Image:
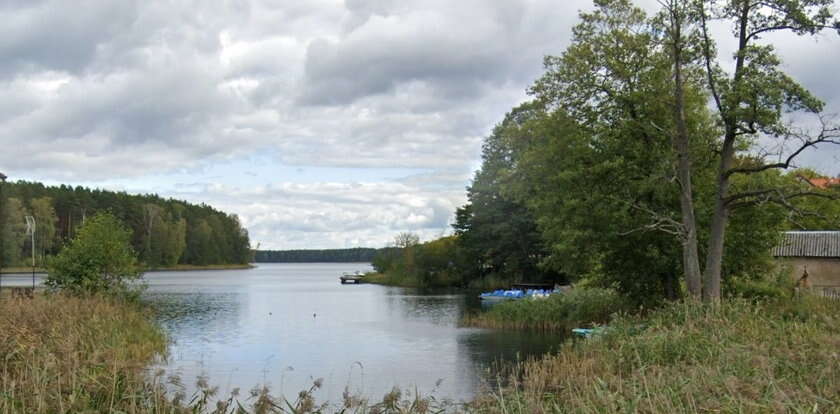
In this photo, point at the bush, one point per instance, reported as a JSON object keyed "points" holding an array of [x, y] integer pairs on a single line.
{"points": [[774, 286], [99, 259]]}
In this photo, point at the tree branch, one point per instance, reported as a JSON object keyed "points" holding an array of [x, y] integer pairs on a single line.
{"points": [[775, 195], [660, 222], [707, 55], [827, 135]]}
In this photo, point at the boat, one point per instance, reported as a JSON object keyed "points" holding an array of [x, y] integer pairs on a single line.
{"points": [[589, 333], [502, 295], [351, 277]]}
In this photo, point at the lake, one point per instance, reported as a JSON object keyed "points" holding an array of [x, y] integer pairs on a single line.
{"points": [[285, 325]]}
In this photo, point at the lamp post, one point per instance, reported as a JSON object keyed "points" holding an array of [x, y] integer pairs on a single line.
{"points": [[2, 228], [30, 228]]}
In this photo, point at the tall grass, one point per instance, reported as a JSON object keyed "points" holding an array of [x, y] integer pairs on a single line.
{"points": [[70, 354], [392, 279], [742, 356], [559, 312]]}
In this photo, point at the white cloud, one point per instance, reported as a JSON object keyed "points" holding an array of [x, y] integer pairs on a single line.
{"points": [[331, 214], [141, 90]]}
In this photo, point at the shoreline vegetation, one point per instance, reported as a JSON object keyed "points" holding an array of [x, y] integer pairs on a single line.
{"points": [[561, 312], [187, 267], [239, 266], [76, 354], [772, 355], [92, 353]]}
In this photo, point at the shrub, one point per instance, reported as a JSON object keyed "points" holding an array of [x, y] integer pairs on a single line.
{"points": [[99, 259], [774, 286]]}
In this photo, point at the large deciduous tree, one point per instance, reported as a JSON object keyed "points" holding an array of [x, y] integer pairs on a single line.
{"points": [[751, 102], [620, 169], [497, 234]]}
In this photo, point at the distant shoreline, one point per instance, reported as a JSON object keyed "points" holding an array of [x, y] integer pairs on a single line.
{"points": [[177, 268], [197, 268], [315, 261]]}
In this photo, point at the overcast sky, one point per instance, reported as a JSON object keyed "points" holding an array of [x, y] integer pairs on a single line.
{"points": [[321, 123]]}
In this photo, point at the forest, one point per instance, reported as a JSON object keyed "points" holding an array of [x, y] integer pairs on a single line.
{"points": [[165, 232], [644, 162], [358, 254]]}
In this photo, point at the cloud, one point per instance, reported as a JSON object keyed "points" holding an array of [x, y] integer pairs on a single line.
{"points": [[454, 48], [333, 215], [144, 92]]}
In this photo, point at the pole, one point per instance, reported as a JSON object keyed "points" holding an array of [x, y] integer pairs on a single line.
{"points": [[30, 228], [2, 230], [33, 256]]}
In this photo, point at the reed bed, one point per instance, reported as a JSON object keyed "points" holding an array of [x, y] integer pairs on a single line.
{"points": [[72, 354], [560, 312], [741, 356]]}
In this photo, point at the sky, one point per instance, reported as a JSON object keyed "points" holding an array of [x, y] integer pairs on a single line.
{"points": [[320, 123]]}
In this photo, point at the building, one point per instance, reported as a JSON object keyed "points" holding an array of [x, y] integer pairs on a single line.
{"points": [[822, 182], [818, 253]]}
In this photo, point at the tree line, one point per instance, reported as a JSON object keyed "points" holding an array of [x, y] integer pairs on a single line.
{"points": [[646, 162], [357, 254], [164, 232]]}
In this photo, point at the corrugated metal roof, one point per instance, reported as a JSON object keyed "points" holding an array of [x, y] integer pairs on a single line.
{"points": [[809, 244]]}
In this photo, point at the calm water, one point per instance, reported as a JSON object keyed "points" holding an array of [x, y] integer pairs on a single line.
{"points": [[285, 325]]}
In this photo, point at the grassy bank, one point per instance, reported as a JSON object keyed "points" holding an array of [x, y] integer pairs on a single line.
{"points": [[65, 354], [742, 356], [560, 312], [391, 279]]}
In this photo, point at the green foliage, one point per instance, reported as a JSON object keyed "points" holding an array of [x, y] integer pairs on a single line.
{"points": [[578, 307], [581, 181], [596, 167], [386, 259], [775, 285], [435, 262], [99, 259], [45, 222], [161, 228], [498, 236], [13, 231], [431, 264]]}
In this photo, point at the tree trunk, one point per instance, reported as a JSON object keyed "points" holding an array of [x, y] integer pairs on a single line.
{"points": [[717, 231], [720, 216], [691, 257]]}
